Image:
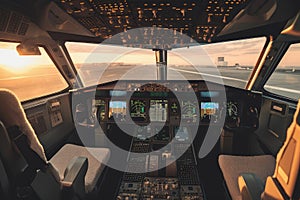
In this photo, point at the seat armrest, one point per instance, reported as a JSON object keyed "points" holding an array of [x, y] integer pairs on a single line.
{"points": [[73, 182], [251, 186]]}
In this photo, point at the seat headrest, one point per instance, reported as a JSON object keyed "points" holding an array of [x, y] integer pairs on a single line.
{"points": [[12, 113], [288, 160]]}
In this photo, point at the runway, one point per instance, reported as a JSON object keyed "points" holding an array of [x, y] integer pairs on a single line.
{"points": [[31, 85]]}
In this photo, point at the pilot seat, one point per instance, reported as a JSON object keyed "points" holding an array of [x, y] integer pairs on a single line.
{"points": [[73, 172], [263, 177]]}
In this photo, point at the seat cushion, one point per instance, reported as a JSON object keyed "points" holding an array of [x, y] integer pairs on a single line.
{"points": [[232, 166], [96, 159]]}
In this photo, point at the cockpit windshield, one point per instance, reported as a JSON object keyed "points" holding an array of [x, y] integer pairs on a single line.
{"points": [[230, 61]]}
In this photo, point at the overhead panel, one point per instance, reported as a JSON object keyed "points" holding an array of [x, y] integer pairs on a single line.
{"points": [[200, 20], [13, 22]]}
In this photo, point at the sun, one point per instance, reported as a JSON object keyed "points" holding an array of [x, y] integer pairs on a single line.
{"points": [[11, 61]]}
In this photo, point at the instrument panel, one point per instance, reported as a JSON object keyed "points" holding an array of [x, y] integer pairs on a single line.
{"points": [[201, 103]]}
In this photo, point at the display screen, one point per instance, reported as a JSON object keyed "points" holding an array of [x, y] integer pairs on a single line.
{"points": [[174, 108], [158, 110], [209, 110], [117, 110], [181, 134], [162, 135], [209, 94], [189, 111], [138, 110], [232, 110], [143, 132], [117, 93], [101, 111]]}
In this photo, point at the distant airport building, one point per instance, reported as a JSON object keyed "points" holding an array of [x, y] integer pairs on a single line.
{"points": [[221, 62], [237, 66]]}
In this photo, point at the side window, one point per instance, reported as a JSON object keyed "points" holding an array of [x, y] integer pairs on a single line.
{"points": [[28, 76], [286, 78]]}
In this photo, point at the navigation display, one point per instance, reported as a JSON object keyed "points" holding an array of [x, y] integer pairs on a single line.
{"points": [[158, 110], [209, 111], [189, 111], [101, 111], [117, 110], [138, 110]]}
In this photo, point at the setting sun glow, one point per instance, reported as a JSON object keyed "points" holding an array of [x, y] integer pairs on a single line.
{"points": [[11, 61]]}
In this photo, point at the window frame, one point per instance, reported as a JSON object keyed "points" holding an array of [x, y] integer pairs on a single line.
{"points": [[275, 95]]}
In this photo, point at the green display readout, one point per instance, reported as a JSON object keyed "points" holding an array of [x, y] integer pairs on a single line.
{"points": [[137, 110]]}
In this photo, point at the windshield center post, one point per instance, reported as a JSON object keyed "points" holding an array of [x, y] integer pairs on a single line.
{"points": [[161, 63]]}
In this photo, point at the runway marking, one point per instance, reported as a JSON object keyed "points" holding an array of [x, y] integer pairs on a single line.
{"points": [[211, 75], [235, 79], [283, 89]]}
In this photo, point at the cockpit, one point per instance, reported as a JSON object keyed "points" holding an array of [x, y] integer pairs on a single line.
{"points": [[149, 100]]}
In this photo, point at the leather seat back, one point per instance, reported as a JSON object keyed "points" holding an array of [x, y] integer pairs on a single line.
{"points": [[287, 168], [12, 162]]}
